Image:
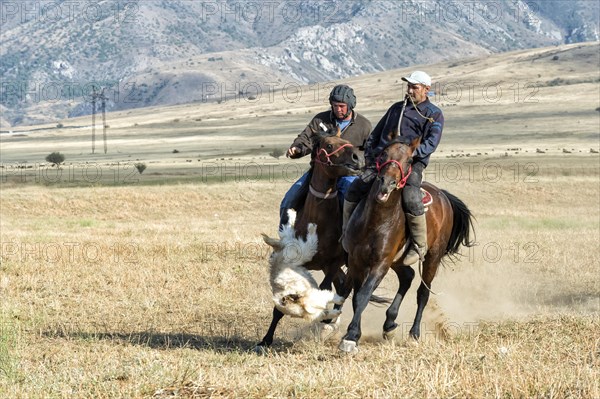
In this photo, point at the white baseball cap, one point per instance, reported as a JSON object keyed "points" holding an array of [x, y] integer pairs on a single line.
{"points": [[418, 77]]}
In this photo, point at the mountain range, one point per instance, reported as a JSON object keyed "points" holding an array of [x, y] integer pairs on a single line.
{"points": [[55, 54]]}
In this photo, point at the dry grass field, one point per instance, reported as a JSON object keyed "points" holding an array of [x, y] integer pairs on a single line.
{"points": [[120, 285]]}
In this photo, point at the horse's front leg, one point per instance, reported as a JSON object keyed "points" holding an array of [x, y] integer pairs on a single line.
{"points": [[338, 277], [360, 300], [335, 276], [328, 327], [405, 277], [268, 338], [327, 281]]}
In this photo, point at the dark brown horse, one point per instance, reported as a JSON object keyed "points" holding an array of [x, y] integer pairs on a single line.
{"points": [[335, 158], [377, 235]]}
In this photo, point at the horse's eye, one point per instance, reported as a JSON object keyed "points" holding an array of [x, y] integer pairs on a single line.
{"points": [[329, 147]]}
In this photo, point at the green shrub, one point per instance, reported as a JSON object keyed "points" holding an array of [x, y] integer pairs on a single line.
{"points": [[56, 158], [276, 153], [140, 166]]}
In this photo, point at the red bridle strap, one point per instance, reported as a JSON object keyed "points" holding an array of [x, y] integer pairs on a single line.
{"points": [[404, 178], [328, 155]]}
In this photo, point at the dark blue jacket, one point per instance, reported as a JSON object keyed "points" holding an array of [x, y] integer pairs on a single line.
{"points": [[413, 126]]}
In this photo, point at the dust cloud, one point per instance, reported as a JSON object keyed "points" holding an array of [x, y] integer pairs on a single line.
{"points": [[467, 294]]}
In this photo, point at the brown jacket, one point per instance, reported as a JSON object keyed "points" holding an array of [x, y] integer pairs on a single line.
{"points": [[356, 132]]}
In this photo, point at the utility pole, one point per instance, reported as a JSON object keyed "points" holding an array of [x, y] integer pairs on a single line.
{"points": [[94, 120], [103, 98], [95, 97]]}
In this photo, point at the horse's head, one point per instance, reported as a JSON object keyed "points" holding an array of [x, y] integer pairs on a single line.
{"points": [[338, 157], [394, 166]]}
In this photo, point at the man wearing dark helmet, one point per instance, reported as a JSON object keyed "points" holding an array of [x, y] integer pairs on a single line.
{"points": [[354, 128]]}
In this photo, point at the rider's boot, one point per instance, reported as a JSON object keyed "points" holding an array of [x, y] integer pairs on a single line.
{"points": [[349, 207], [418, 230]]}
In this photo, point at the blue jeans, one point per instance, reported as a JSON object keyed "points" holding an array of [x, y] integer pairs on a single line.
{"points": [[295, 194]]}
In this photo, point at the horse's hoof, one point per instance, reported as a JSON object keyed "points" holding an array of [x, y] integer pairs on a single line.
{"points": [[413, 341], [389, 335], [349, 347], [261, 350]]}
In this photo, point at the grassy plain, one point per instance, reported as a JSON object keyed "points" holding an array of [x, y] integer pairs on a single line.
{"points": [[155, 285]]}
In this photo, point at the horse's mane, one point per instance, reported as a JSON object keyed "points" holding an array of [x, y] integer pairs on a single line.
{"points": [[322, 135], [398, 140]]}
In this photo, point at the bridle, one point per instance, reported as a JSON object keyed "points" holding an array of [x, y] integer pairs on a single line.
{"points": [[379, 166], [328, 155], [404, 178], [327, 162]]}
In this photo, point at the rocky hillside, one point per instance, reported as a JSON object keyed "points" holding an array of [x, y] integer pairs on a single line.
{"points": [[159, 52]]}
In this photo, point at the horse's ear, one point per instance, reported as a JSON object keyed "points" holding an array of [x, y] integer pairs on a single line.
{"points": [[339, 132], [393, 134], [272, 242], [415, 143]]}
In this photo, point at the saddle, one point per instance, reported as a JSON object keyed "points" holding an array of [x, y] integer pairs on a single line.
{"points": [[427, 198]]}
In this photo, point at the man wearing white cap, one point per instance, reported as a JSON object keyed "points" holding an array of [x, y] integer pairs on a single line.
{"points": [[418, 117]]}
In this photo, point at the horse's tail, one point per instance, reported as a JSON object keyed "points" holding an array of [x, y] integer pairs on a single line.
{"points": [[380, 300], [461, 227]]}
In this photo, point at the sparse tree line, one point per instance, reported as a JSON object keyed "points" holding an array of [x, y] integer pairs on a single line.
{"points": [[56, 159]]}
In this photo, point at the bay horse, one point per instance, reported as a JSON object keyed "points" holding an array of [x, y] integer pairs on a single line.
{"points": [[376, 240], [335, 157]]}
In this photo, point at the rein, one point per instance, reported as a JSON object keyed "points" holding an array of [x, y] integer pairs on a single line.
{"points": [[421, 260], [328, 155]]}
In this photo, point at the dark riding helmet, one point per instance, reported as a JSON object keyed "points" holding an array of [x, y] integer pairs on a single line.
{"points": [[343, 94]]}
